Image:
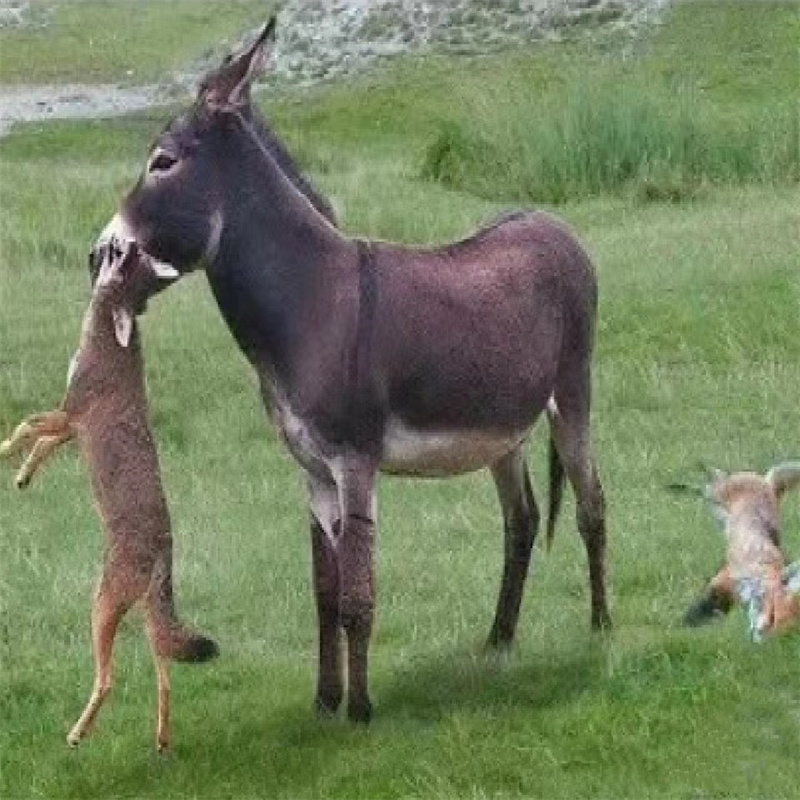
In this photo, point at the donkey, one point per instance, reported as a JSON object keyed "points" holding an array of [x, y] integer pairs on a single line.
{"points": [[105, 408], [377, 357]]}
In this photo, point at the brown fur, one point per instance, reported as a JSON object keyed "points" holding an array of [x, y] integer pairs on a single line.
{"points": [[747, 504], [105, 409]]}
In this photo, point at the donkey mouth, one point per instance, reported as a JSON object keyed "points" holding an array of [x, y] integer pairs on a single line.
{"points": [[118, 230]]}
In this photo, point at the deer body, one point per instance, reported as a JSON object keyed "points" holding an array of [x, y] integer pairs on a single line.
{"points": [[747, 506], [105, 409]]}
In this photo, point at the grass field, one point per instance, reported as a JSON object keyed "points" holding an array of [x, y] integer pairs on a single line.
{"points": [[698, 359]]}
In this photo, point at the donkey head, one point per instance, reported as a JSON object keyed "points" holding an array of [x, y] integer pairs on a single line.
{"points": [[126, 279], [174, 210]]}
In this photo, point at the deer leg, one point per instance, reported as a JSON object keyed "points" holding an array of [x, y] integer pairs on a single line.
{"points": [[44, 447], [107, 611], [717, 600], [162, 686], [50, 423], [357, 501], [521, 524], [570, 428], [782, 607]]}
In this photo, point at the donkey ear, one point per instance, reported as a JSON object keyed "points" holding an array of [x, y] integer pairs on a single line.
{"points": [[123, 324], [784, 477], [242, 70]]}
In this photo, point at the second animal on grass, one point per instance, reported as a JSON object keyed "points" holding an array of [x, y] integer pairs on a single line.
{"points": [[746, 504], [105, 408]]}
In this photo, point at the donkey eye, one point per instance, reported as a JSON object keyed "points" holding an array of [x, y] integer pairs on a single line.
{"points": [[161, 162]]}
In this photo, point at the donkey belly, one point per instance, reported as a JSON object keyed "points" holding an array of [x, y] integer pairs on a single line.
{"points": [[436, 454]]}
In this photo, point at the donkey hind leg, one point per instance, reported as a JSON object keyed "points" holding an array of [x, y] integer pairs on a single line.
{"points": [[107, 611], [356, 597], [570, 429], [521, 524]]}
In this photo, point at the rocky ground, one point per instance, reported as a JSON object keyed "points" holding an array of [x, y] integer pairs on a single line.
{"points": [[326, 39]]}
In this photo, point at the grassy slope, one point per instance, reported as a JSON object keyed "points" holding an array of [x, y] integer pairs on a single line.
{"points": [[129, 41], [697, 359]]}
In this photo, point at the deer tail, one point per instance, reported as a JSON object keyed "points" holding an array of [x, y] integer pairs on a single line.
{"points": [[170, 637]]}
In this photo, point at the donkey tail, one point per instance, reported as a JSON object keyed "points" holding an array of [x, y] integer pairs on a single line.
{"points": [[557, 480], [170, 637]]}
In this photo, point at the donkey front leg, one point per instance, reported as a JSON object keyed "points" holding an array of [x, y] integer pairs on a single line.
{"points": [[357, 600], [325, 528]]}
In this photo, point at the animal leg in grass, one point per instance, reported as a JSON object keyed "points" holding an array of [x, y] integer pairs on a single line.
{"points": [[50, 423], [521, 524], [330, 685], [356, 598], [162, 685], [570, 428], [782, 606], [41, 451], [107, 612], [717, 600]]}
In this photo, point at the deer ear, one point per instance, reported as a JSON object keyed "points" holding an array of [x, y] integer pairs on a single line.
{"points": [[123, 325], [784, 477]]}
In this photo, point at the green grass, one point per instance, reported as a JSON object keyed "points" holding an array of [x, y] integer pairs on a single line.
{"points": [[657, 125], [698, 359], [128, 41]]}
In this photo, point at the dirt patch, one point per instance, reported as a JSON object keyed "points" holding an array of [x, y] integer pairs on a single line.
{"points": [[42, 103], [324, 39]]}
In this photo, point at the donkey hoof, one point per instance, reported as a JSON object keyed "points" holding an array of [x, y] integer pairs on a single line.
{"points": [[601, 621], [360, 711], [162, 747], [22, 481], [73, 739], [327, 703], [499, 641]]}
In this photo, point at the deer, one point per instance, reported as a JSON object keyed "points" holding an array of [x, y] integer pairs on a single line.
{"points": [[747, 506], [105, 410]]}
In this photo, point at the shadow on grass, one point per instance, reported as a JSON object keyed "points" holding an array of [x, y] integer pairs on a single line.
{"points": [[428, 689], [251, 740]]}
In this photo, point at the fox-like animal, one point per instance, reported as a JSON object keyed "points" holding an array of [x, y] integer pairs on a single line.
{"points": [[105, 408], [746, 504]]}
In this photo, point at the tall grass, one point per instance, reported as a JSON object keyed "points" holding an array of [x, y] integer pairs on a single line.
{"points": [[608, 133]]}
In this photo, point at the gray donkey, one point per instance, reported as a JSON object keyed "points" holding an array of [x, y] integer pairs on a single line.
{"points": [[377, 357], [105, 408]]}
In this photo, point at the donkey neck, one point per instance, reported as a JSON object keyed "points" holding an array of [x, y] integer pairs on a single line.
{"points": [[278, 263]]}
